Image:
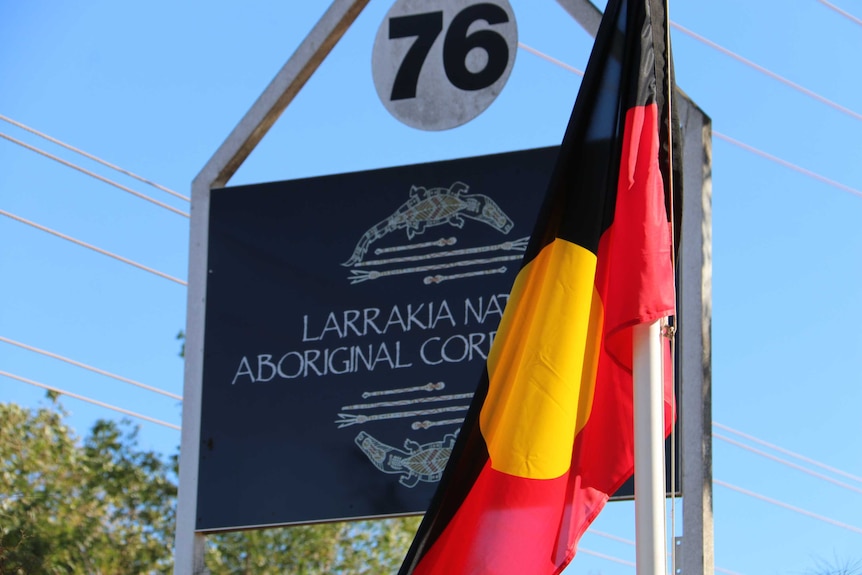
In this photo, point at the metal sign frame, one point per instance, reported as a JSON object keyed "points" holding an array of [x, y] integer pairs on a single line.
{"points": [[696, 547]]}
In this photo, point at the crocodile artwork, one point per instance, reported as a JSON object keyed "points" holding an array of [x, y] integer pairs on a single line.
{"points": [[434, 207], [416, 462]]}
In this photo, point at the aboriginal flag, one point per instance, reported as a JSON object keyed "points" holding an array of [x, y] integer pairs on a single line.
{"points": [[550, 433]]}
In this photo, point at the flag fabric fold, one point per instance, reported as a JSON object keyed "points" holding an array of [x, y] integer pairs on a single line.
{"points": [[549, 436]]}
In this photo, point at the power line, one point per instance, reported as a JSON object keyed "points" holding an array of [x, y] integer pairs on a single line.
{"points": [[606, 557], [94, 175], [91, 368], [550, 59], [92, 157], [847, 15], [788, 506], [630, 564], [631, 543], [92, 247], [787, 164], [787, 452], [90, 400], [738, 58], [771, 74], [622, 540], [787, 463], [727, 139]]}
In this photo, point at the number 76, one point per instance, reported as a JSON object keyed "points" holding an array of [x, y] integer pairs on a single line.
{"points": [[456, 46]]}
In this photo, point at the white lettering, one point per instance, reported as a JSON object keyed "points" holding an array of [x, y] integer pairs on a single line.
{"points": [[443, 312], [264, 360], [281, 373], [243, 369]]}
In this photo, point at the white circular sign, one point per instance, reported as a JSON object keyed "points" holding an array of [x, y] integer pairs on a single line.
{"points": [[437, 65]]}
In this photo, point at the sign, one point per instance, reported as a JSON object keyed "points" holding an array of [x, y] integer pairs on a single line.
{"points": [[348, 319], [439, 65]]}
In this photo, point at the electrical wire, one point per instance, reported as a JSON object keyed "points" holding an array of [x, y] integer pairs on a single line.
{"points": [[738, 58], [787, 452], [91, 368], [550, 59], [631, 543], [787, 463], [622, 540], [787, 164], [788, 506], [606, 557], [89, 400], [92, 157], [630, 564], [844, 13], [92, 247], [725, 138], [94, 175], [767, 72]]}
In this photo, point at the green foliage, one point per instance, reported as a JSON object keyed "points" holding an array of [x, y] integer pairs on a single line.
{"points": [[181, 336], [343, 548], [97, 507], [101, 506]]}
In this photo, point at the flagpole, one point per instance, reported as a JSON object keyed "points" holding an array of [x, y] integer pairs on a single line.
{"points": [[649, 450], [648, 381]]}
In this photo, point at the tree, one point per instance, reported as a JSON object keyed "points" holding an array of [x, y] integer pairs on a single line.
{"points": [[101, 506], [95, 507], [836, 567], [340, 548]]}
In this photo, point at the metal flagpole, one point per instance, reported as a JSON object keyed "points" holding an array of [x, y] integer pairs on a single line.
{"points": [[648, 372], [649, 450]]}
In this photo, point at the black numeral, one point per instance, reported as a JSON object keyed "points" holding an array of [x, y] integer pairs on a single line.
{"points": [[456, 46], [426, 27]]}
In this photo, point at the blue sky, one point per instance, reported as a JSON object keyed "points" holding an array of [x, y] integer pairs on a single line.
{"points": [[155, 88]]}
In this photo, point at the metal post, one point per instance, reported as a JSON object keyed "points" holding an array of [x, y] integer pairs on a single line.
{"points": [[585, 13], [650, 536], [694, 344], [189, 550]]}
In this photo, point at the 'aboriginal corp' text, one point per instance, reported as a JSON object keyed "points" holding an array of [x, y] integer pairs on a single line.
{"points": [[347, 353]]}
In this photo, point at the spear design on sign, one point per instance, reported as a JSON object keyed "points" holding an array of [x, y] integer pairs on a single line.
{"points": [[348, 419], [517, 245], [442, 242], [401, 402], [442, 278], [427, 387], [358, 276]]}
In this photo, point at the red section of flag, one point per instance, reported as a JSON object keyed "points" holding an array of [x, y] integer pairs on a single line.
{"points": [[635, 279], [499, 528], [607, 202]]}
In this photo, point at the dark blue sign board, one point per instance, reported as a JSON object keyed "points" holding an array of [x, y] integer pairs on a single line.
{"points": [[348, 318]]}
